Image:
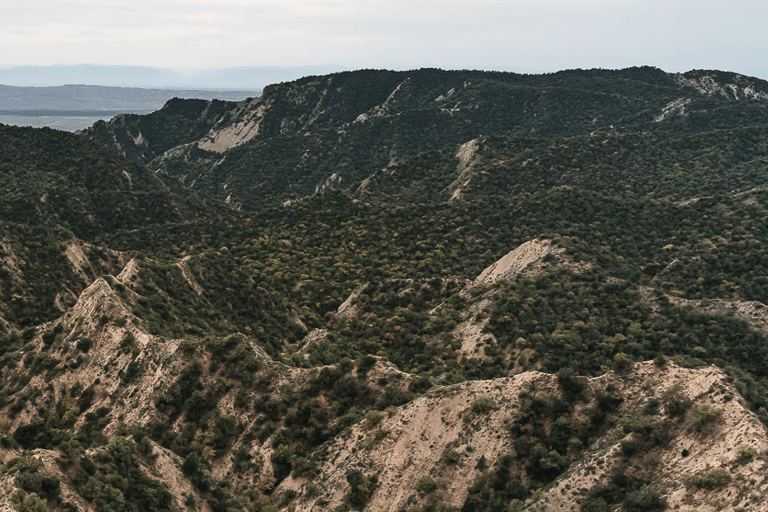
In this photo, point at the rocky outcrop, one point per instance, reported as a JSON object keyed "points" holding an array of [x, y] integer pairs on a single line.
{"points": [[527, 257], [412, 441]]}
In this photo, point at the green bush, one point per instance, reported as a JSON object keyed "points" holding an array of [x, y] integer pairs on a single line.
{"points": [[301, 467], [621, 362], [192, 464], [28, 502], [705, 415], [630, 447], [745, 454], [426, 485], [84, 345], [676, 405], [360, 488], [450, 457], [571, 383], [483, 405], [373, 418], [714, 479], [652, 407], [594, 505], [645, 500], [310, 490]]}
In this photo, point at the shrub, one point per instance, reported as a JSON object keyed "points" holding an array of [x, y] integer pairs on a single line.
{"points": [[48, 338], [652, 407], [548, 464], [301, 467], [629, 425], [310, 490], [714, 479], [676, 405], [281, 461], [426, 485], [192, 464], [420, 385], [84, 345], [360, 488], [705, 415], [630, 447], [745, 454], [483, 405], [570, 382], [288, 496], [28, 503], [645, 500], [594, 505], [450, 457], [373, 418], [621, 362], [242, 460]]}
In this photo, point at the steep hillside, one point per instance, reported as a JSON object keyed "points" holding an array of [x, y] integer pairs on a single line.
{"points": [[55, 178], [431, 291], [101, 413], [105, 387], [338, 130], [438, 450], [60, 194]]}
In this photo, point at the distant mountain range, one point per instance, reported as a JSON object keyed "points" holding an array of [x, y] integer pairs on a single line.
{"points": [[245, 77], [101, 98]]}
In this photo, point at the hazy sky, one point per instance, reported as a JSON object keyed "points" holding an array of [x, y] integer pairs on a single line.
{"points": [[529, 35]]}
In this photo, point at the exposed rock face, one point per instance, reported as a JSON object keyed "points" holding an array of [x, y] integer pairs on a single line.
{"points": [[223, 138], [677, 106], [348, 308], [523, 258], [419, 433], [442, 435], [465, 156], [709, 85]]}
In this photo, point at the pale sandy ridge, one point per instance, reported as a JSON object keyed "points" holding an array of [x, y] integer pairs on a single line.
{"points": [[420, 431]]}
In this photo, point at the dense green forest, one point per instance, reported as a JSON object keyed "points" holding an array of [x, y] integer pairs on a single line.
{"points": [[352, 125], [646, 211]]}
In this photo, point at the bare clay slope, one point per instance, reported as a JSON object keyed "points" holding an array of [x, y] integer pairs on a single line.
{"points": [[420, 434], [682, 433]]}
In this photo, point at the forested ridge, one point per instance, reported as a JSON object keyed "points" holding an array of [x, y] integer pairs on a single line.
{"points": [[236, 313]]}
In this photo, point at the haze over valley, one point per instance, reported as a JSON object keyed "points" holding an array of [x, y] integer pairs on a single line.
{"points": [[75, 107]]}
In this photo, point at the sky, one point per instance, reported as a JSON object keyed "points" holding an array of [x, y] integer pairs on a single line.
{"points": [[513, 35]]}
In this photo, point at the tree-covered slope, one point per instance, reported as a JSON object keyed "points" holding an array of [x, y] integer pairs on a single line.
{"points": [[336, 130], [55, 178], [60, 192], [442, 290]]}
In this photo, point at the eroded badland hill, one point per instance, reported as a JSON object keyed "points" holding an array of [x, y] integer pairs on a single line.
{"points": [[393, 291]]}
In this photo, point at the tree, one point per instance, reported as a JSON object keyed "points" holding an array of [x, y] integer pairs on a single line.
{"points": [[360, 488], [645, 500]]}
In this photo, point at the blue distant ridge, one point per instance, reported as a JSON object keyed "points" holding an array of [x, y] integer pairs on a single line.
{"points": [[69, 113]]}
